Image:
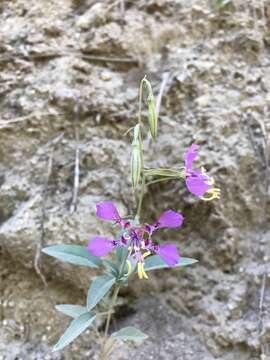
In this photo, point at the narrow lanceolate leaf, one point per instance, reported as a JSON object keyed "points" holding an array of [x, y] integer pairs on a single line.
{"points": [[111, 267], [76, 327], [152, 116], [74, 254], [129, 333], [71, 310], [99, 288], [155, 262], [136, 165], [121, 253]]}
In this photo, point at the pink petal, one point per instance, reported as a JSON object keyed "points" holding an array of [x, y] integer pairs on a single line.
{"points": [[169, 253], [100, 246], [170, 219], [196, 184], [190, 155], [107, 211]]}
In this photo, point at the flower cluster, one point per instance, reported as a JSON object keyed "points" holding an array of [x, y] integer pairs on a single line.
{"points": [[138, 239]]}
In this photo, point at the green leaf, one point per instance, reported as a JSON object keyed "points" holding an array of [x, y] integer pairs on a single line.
{"points": [[76, 327], [71, 310], [99, 288], [130, 333], [111, 266], [74, 254], [121, 252], [155, 262]]}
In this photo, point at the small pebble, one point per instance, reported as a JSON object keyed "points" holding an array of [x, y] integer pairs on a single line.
{"points": [[105, 76]]}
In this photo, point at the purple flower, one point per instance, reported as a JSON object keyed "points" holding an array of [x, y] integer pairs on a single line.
{"points": [[137, 238], [197, 181]]}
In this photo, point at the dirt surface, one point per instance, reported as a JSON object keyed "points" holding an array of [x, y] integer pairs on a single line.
{"points": [[69, 76]]}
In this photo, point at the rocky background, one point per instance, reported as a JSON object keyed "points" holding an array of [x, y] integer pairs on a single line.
{"points": [[69, 75]]}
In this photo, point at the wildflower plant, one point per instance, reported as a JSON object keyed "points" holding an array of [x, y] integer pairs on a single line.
{"points": [[134, 249]]}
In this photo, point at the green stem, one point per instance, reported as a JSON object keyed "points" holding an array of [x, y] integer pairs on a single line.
{"points": [[110, 312], [160, 180], [104, 351], [114, 297]]}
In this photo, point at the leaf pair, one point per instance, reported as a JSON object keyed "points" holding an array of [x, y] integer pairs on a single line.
{"points": [[83, 318]]}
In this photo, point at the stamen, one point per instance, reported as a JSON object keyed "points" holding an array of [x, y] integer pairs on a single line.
{"points": [[136, 248], [143, 245], [146, 254], [129, 268], [141, 273], [213, 193]]}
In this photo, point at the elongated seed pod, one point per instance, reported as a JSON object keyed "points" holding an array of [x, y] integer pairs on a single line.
{"points": [[136, 164], [152, 112], [136, 133], [152, 116], [136, 157]]}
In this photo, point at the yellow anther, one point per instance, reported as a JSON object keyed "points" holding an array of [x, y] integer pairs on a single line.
{"points": [[147, 253], [129, 268], [213, 193], [141, 273], [143, 245]]}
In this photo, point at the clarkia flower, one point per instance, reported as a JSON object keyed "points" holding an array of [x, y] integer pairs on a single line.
{"points": [[137, 238], [198, 182]]}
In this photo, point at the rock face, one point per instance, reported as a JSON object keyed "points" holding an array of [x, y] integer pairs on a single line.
{"points": [[69, 76]]}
